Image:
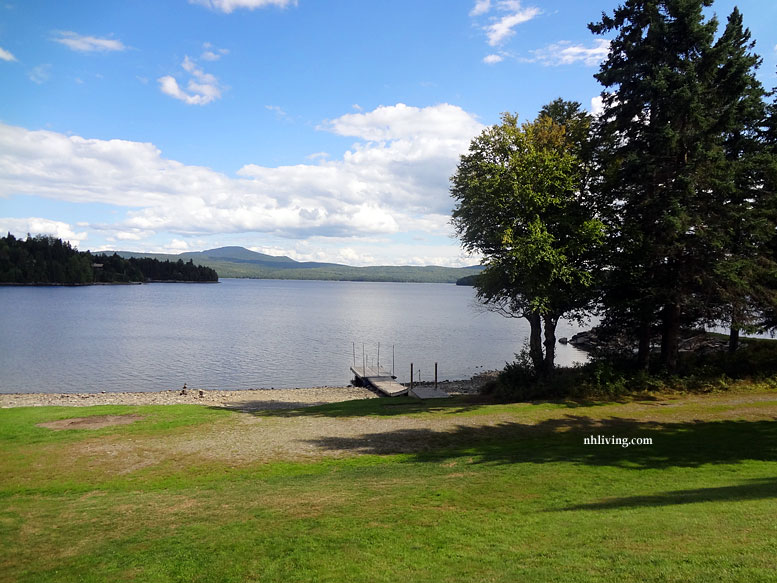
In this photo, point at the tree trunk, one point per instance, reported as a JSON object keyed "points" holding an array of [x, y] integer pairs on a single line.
{"points": [[550, 344], [643, 352], [535, 340], [670, 336], [733, 338]]}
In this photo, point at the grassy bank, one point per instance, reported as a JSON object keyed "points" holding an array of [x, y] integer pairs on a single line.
{"points": [[395, 490]]}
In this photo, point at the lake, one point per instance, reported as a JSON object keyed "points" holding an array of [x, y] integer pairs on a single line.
{"points": [[244, 334]]}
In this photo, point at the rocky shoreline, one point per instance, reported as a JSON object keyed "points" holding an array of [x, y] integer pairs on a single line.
{"points": [[250, 398]]}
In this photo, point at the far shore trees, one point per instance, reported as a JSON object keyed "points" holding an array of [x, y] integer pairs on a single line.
{"points": [[520, 204], [46, 260]]}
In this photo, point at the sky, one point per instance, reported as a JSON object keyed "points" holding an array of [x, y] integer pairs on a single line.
{"points": [[323, 130]]}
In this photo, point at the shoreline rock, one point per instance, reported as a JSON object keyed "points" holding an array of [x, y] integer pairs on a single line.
{"points": [[699, 341]]}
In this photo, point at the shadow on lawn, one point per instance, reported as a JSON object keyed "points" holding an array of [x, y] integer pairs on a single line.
{"points": [[383, 407], [562, 439], [756, 489]]}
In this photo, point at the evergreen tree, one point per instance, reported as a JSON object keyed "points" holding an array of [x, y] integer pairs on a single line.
{"points": [[679, 105]]}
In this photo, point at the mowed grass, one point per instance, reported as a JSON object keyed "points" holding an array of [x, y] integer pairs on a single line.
{"points": [[498, 493]]}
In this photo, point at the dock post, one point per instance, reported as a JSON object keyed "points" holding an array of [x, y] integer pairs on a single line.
{"points": [[435, 376], [354, 355], [364, 363], [378, 358], [411, 377], [392, 360]]}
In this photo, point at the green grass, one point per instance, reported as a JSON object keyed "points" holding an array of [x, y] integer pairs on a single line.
{"points": [[502, 493]]}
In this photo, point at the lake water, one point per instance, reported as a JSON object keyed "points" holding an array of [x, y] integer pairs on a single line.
{"points": [[243, 334]]}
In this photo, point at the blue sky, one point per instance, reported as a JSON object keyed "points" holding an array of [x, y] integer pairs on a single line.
{"points": [[322, 130]]}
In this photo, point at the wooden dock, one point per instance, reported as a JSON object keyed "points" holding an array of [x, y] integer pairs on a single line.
{"points": [[428, 392], [379, 379]]}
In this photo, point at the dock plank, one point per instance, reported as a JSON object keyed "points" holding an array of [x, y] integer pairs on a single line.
{"points": [[425, 392], [380, 380]]}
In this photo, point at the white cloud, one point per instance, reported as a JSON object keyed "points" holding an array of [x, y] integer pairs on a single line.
{"points": [[393, 179], [202, 88], [40, 74], [402, 121], [6, 55], [211, 53], [502, 28], [493, 59], [227, 6], [597, 105], [566, 53], [88, 44], [39, 226], [481, 7]]}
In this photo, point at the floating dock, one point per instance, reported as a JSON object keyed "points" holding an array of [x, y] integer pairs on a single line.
{"points": [[427, 392], [379, 379]]}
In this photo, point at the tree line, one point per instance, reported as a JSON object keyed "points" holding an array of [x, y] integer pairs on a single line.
{"points": [[44, 260], [658, 214]]}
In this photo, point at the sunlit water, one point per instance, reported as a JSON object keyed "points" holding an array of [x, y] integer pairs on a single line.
{"points": [[242, 334]]}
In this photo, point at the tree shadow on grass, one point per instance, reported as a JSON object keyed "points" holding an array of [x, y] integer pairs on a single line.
{"points": [[387, 407], [755, 489], [562, 439]]}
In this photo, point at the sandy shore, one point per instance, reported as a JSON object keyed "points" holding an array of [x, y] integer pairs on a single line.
{"points": [[244, 399]]}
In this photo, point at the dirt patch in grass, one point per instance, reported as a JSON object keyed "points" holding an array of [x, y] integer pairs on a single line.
{"points": [[95, 422]]}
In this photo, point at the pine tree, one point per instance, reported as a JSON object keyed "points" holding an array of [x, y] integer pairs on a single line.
{"points": [[678, 108]]}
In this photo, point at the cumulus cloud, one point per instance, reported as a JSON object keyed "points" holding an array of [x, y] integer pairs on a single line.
{"points": [[402, 121], [6, 55], [202, 88], [393, 178], [39, 226], [227, 6], [481, 7], [88, 44], [566, 53], [493, 59]]}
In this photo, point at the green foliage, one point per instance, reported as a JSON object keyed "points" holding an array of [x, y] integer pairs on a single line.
{"points": [[42, 259], [682, 172], [521, 203], [611, 376]]}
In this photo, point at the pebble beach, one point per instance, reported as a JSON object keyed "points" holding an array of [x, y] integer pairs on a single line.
{"points": [[242, 399]]}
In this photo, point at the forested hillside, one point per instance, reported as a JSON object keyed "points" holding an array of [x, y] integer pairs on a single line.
{"points": [[46, 260], [241, 262]]}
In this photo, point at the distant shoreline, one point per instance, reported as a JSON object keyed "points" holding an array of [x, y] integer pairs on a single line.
{"points": [[12, 284]]}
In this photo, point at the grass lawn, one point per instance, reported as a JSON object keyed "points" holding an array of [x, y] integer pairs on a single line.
{"points": [[395, 490]]}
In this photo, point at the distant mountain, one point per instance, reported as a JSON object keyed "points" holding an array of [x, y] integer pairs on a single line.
{"points": [[241, 262]]}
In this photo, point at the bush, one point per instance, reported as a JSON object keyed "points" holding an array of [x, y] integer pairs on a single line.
{"points": [[611, 377]]}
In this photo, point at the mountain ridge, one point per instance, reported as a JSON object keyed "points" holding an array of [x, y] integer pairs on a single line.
{"points": [[235, 261]]}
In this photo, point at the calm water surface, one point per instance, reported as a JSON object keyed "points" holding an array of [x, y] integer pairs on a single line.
{"points": [[242, 334]]}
